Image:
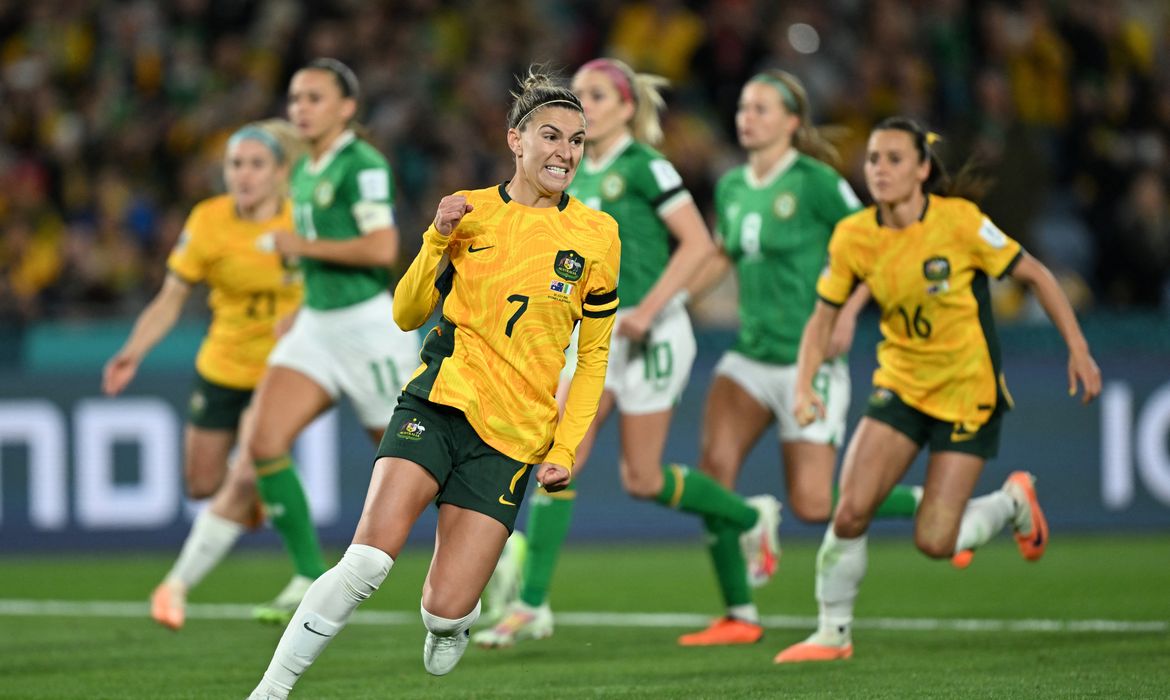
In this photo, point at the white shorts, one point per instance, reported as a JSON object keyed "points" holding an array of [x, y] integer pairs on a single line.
{"points": [[774, 386], [647, 377], [357, 350]]}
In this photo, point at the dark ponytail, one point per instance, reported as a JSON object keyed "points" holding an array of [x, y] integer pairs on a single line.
{"points": [[966, 183]]}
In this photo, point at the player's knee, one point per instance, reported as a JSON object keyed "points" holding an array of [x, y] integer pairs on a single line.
{"points": [[447, 623], [934, 545], [642, 484], [811, 508], [202, 482], [849, 521], [363, 568], [719, 463]]}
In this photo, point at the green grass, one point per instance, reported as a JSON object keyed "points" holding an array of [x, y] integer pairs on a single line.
{"points": [[1081, 578]]}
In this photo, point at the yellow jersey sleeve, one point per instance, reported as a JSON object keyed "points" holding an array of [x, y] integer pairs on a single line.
{"points": [[600, 305], [190, 258], [839, 276], [418, 291], [992, 250]]}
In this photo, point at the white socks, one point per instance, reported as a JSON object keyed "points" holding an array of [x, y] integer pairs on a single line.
{"points": [[841, 564], [323, 613], [209, 541], [747, 612], [984, 518], [446, 627]]}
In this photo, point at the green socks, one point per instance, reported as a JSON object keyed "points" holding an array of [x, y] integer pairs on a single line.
{"points": [[549, 517], [730, 567], [692, 491], [901, 503], [287, 508]]}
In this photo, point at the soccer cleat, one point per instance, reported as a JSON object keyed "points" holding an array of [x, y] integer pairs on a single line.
{"points": [[724, 631], [963, 558], [168, 604], [280, 609], [440, 654], [1029, 522], [808, 651], [504, 585], [761, 544], [521, 622], [267, 691]]}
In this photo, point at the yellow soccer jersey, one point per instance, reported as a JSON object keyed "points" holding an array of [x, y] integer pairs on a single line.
{"points": [[516, 280], [940, 352], [250, 290]]}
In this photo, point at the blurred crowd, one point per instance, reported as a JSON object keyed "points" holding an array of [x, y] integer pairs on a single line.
{"points": [[114, 115]]}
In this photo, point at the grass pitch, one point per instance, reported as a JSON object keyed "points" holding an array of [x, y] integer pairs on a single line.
{"points": [[1092, 620]]}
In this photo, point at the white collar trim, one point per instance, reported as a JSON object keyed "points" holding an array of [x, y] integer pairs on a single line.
{"points": [[342, 140], [777, 170]]}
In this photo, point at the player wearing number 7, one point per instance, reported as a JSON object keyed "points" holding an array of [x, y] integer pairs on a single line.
{"points": [[513, 268], [926, 259]]}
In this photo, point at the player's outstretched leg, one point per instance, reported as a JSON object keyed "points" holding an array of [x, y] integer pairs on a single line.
{"points": [[841, 564], [323, 613], [1014, 503], [209, 541]]}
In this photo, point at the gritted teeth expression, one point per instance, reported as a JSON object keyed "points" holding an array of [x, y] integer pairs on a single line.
{"points": [[893, 170], [316, 105], [550, 147]]}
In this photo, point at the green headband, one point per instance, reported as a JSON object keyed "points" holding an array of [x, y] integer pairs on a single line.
{"points": [[786, 95], [255, 133]]}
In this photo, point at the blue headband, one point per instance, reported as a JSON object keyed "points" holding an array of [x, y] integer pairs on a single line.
{"points": [[786, 95], [255, 133]]}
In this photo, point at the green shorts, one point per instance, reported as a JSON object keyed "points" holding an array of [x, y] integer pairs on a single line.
{"points": [[471, 473], [216, 407], [886, 406]]}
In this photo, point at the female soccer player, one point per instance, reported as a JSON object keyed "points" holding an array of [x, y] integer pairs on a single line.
{"points": [[251, 292], [342, 341], [517, 266], [926, 259], [653, 345], [775, 216]]}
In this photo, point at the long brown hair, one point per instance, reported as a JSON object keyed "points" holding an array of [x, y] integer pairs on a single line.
{"points": [[809, 139]]}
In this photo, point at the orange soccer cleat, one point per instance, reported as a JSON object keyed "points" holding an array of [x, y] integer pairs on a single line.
{"points": [[168, 605], [963, 558], [1030, 525], [724, 631], [807, 651]]}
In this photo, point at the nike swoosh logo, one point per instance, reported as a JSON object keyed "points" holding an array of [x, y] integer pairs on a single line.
{"points": [[1039, 539], [472, 249], [314, 631], [506, 502]]}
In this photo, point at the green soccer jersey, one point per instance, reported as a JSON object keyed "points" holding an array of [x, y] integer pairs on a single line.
{"points": [[636, 186], [346, 193], [777, 233]]}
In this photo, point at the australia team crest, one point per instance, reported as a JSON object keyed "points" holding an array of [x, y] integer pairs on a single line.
{"points": [[569, 265]]}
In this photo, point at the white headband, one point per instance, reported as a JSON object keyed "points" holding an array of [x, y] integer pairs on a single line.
{"points": [[545, 104]]}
